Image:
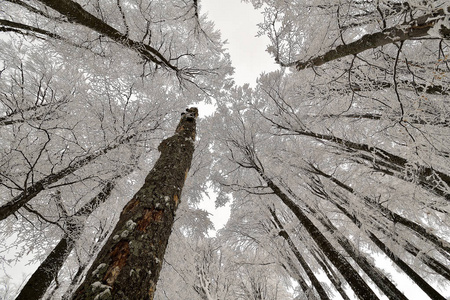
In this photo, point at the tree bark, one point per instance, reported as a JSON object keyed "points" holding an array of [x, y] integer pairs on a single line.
{"points": [[129, 264], [41, 279]]}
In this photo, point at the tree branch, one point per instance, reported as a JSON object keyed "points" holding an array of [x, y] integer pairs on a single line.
{"points": [[415, 29]]}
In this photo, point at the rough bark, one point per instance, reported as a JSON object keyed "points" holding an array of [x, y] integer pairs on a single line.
{"points": [[47, 271], [129, 264], [416, 28], [32, 191]]}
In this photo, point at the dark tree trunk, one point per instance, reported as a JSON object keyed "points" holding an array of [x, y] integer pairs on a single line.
{"points": [[359, 286], [417, 28], [332, 276], [428, 289], [75, 13], [312, 277], [41, 279], [440, 244], [295, 274], [383, 283], [129, 264]]}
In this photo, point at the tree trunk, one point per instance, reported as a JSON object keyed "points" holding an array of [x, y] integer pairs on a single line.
{"points": [[359, 286], [295, 274], [129, 264], [434, 181], [439, 243], [416, 278], [312, 277], [76, 14], [41, 279], [332, 276], [383, 283]]}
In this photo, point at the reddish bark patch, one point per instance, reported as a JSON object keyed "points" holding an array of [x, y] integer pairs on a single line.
{"points": [[119, 257], [130, 205], [179, 129], [150, 216]]}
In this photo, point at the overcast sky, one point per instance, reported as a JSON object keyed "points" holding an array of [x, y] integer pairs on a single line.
{"points": [[237, 23]]}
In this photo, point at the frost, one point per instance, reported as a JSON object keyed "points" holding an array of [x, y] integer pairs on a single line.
{"points": [[435, 30], [106, 294], [99, 268], [130, 224], [96, 286], [116, 237], [124, 234]]}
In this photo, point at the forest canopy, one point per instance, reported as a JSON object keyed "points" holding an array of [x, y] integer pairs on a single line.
{"points": [[336, 167]]}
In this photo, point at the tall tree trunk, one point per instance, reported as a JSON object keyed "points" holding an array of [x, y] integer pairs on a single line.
{"points": [[359, 286], [41, 279], [75, 13], [438, 242], [129, 264], [429, 290], [295, 274], [332, 276], [312, 277], [32, 191], [416, 278], [383, 283]]}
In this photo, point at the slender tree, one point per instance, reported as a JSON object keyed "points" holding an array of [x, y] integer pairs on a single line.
{"points": [[48, 270], [312, 277]]}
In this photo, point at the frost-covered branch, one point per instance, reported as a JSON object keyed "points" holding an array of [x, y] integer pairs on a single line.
{"points": [[417, 28]]}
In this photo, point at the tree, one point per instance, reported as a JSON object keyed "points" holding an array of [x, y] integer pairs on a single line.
{"points": [[48, 270], [138, 242]]}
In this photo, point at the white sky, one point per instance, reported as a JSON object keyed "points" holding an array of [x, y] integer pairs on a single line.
{"points": [[237, 23]]}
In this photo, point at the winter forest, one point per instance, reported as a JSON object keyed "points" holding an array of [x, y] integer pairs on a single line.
{"points": [[335, 167]]}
